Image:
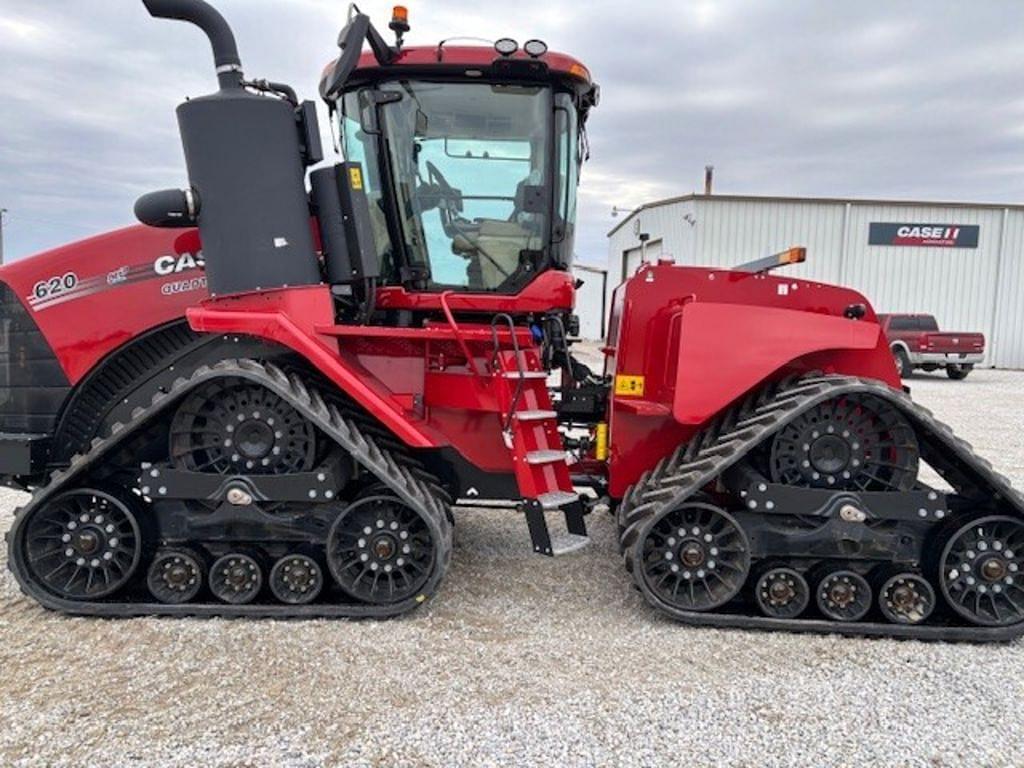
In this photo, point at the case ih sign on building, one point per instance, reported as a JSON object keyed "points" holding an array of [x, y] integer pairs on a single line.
{"points": [[930, 235]]}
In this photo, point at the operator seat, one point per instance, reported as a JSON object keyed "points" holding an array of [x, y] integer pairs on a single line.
{"points": [[502, 241]]}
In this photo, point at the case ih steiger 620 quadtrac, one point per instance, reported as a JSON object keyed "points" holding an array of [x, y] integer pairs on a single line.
{"points": [[282, 420]]}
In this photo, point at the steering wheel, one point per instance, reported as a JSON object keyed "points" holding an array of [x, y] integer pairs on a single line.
{"points": [[450, 219], [451, 198]]}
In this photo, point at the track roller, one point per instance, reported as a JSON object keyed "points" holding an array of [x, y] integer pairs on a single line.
{"points": [[782, 593], [236, 578], [296, 579], [175, 576], [843, 596], [906, 598]]}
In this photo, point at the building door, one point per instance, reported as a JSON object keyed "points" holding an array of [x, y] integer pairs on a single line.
{"points": [[590, 301], [631, 259]]}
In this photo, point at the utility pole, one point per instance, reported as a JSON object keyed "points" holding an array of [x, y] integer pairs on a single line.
{"points": [[2, 212]]}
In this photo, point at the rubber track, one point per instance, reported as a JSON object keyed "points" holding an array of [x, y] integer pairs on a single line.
{"points": [[401, 480], [732, 437]]}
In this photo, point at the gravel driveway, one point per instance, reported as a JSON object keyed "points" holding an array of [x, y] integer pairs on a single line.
{"points": [[520, 661]]}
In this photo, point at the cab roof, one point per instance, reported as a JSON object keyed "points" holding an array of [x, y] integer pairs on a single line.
{"points": [[475, 56], [443, 59]]}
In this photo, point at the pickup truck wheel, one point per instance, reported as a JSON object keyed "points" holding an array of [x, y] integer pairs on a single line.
{"points": [[903, 366], [958, 372]]}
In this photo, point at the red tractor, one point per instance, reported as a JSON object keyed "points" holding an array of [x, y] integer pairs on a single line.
{"points": [[272, 399]]}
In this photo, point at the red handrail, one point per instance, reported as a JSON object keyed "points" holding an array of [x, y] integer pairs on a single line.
{"points": [[470, 361]]}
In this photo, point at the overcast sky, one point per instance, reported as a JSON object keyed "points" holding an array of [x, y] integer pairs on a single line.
{"points": [[868, 99]]}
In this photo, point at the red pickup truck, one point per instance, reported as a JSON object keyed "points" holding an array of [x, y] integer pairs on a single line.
{"points": [[917, 342]]}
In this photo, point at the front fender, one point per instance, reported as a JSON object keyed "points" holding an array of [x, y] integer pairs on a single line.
{"points": [[727, 350]]}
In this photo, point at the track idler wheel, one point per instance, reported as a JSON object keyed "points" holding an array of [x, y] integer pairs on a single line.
{"points": [[980, 571], [381, 551], [236, 578], [906, 598], [82, 545], [695, 558], [296, 579], [175, 576], [843, 596], [782, 593]]}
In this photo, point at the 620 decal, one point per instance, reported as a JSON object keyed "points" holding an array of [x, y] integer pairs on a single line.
{"points": [[54, 286]]}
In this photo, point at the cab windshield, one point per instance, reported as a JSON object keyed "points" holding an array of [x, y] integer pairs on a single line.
{"points": [[470, 168], [476, 204]]}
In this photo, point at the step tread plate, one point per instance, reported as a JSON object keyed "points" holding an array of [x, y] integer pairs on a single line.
{"points": [[545, 457], [566, 543]]}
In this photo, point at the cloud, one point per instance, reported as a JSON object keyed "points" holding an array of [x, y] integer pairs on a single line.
{"points": [[915, 99]]}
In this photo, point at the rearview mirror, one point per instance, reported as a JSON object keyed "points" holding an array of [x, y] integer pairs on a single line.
{"points": [[350, 41]]}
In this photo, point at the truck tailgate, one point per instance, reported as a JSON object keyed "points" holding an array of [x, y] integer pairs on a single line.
{"points": [[953, 342]]}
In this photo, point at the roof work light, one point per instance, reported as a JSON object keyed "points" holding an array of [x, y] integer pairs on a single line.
{"points": [[535, 48], [506, 46]]}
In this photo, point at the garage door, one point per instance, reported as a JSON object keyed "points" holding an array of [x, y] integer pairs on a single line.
{"points": [[631, 259]]}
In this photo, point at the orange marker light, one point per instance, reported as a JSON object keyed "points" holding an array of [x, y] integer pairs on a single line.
{"points": [[793, 256], [399, 22], [578, 70]]}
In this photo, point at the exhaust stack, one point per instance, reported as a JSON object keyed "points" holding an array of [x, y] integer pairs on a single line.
{"points": [[208, 19], [247, 170]]}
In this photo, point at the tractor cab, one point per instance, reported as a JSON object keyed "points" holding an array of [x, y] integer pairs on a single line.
{"points": [[469, 158]]}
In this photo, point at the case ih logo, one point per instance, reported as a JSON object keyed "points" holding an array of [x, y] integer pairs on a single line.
{"points": [[926, 235]]}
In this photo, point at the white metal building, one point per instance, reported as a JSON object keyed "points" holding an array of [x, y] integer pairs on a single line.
{"points": [[962, 262]]}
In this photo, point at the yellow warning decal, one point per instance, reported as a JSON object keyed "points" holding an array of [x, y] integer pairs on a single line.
{"points": [[629, 385], [355, 176]]}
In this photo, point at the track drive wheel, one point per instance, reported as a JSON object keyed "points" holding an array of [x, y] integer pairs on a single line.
{"points": [[241, 428], [855, 442], [380, 550], [980, 571], [84, 544], [695, 558]]}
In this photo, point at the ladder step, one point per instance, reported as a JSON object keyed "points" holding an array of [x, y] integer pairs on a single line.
{"points": [[514, 375], [557, 499], [534, 415], [545, 457], [568, 542]]}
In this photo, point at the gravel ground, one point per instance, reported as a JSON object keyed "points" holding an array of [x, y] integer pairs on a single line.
{"points": [[520, 661]]}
